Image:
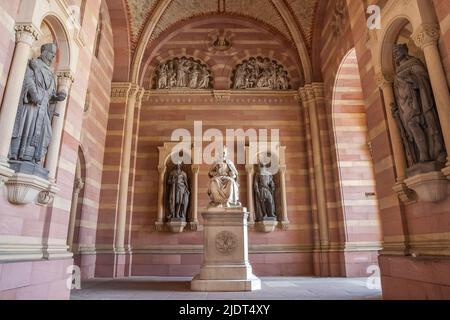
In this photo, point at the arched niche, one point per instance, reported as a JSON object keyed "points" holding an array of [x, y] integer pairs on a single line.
{"points": [[274, 156], [165, 166]]}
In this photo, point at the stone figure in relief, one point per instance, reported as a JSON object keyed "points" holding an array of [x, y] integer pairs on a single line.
{"points": [[204, 78], [259, 73], [179, 193], [33, 125], [182, 73], [264, 190], [415, 110], [223, 186]]}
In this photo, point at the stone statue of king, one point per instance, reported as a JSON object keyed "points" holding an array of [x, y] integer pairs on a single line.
{"points": [[223, 186]]}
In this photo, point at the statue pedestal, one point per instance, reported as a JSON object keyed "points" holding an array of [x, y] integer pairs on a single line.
{"points": [[268, 225], [226, 267], [177, 225]]}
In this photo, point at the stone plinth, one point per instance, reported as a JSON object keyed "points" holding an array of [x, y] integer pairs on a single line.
{"points": [[226, 267]]}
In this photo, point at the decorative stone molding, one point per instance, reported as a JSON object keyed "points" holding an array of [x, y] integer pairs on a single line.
{"points": [[222, 95], [26, 33], [384, 79], [406, 195], [23, 189], [429, 187], [266, 226], [427, 34]]}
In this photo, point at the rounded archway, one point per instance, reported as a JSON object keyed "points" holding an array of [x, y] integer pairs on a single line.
{"points": [[357, 193]]}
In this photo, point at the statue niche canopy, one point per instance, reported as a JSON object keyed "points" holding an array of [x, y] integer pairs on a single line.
{"points": [[260, 73], [182, 73]]}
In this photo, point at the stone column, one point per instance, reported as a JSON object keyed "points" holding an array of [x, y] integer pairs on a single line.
{"points": [[250, 201], [26, 35], [426, 37], [193, 221], [385, 82], [318, 167], [125, 169], [79, 185], [160, 218], [65, 80], [284, 207]]}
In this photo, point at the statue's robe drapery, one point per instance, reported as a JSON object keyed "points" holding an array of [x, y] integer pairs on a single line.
{"points": [[33, 129], [223, 188], [416, 109], [179, 194], [264, 188]]}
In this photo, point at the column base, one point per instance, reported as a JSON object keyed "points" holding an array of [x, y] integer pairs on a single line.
{"points": [[247, 285]]}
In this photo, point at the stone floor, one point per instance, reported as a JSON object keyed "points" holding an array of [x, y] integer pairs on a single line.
{"points": [[157, 288]]}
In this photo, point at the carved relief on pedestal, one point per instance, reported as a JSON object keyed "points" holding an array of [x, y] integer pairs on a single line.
{"points": [[226, 242], [183, 73], [260, 73]]}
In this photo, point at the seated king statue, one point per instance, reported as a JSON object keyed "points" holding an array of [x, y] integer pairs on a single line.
{"points": [[223, 186]]}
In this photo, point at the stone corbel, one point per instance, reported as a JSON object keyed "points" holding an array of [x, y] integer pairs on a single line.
{"points": [[406, 195], [23, 189], [429, 187]]}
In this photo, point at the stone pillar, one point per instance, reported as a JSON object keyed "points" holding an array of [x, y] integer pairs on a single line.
{"points": [[385, 82], [79, 185], [125, 169], [193, 221], [250, 201], [284, 208], [65, 80], [426, 37], [318, 167], [26, 35], [160, 218]]}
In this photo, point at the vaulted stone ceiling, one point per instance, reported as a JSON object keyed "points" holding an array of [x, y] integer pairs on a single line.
{"points": [[263, 10]]}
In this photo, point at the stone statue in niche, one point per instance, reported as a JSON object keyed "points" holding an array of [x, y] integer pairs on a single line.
{"points": [[33, 125], [260, 73], [178, 200], [223, 186], [264, 190], [183, 73], [416, 115]]}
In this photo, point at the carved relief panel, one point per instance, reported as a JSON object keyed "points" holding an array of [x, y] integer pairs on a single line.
{"points": [[260, 73], [183, 73]]}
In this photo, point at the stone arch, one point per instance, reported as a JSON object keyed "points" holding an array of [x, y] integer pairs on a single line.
{"points": [[388, 40], [139, 58], [121, 36], [228, 62], [356, 190], [60, 33]]}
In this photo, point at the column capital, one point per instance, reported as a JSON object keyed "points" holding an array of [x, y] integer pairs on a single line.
{"points": [[65, 78], [26, 33], [426, 34], [250, 169], [124, 90], [307, 93], [384, 79]]}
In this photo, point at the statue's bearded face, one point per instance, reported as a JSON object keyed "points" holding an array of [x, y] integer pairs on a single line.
{"points": [[48, 56], [400, 52]]}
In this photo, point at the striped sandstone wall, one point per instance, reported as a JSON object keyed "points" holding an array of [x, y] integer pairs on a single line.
{"points": [[424, 226]]}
